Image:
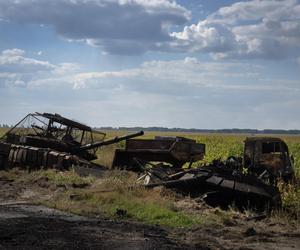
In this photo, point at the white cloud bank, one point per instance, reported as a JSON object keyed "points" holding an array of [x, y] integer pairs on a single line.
{"points": [[184, 77], [18, 70], [13, 60], [170, 77], [251, 29], [170, 93], [264, 29], [118, 26]]}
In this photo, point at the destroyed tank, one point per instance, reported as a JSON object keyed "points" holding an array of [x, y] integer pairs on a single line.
{"points": [[51, 140]]}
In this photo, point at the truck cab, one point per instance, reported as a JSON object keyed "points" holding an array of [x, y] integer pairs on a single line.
{"points": [[268, 157]]}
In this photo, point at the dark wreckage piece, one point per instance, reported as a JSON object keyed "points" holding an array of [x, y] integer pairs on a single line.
{"points": [[51, 140], [268, 158], [247, 182], [218, 186], [171, 150]]}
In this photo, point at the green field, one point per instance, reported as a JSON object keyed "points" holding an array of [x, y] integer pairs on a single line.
{"points": [[148, 205], [218, 146]]}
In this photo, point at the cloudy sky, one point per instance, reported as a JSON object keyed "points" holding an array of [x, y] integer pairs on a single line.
{"points": [[190, 64]]}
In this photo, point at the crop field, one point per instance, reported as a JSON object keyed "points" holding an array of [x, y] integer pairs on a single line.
{"points": [[218, 146], [149, 205]]}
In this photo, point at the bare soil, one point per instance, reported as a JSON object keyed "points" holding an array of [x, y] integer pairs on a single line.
{"points": [[37, 227], [26, 226]]}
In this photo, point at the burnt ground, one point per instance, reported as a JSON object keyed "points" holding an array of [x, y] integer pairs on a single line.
{"points": [[37, 227], [25, 226]]}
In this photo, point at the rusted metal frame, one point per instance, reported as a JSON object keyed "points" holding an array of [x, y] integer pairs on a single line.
{"points": [[36, 117], [49, 127], [108, 141], [15, 126], [82, 136]]}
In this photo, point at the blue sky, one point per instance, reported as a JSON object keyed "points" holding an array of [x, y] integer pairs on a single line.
{"points": [[192, 64]]}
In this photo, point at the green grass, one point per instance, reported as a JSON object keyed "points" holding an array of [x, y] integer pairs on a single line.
{"points": [[67, 178], [116, 192], [151, 212]]}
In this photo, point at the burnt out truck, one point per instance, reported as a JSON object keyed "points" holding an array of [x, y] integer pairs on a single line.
{"points": [[268, 158]]}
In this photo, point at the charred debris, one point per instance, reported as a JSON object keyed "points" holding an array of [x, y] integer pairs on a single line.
{"points": [[53, 141], [43, 140], [247, 182]]}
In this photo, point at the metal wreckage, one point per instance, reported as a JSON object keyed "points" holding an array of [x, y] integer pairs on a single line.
{"points": [[246, 182], [52, 141]]}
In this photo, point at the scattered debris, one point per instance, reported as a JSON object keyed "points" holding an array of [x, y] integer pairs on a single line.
{"points": [[219, 185], [246, 182]]}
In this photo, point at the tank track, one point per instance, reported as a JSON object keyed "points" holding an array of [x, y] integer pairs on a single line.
{"points": [[12, 155]]}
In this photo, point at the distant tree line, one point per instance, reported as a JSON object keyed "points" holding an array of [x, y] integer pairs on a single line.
{"points": [[221, 131], [196, 130], [5, 126]]}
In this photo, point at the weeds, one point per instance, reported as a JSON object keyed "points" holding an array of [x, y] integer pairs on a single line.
{"points": [[116, 193], [290, 195]]}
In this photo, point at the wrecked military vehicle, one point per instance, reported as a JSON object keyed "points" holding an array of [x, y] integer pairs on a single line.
{"points": [[246, 181], [52, 141], [175, 151], [268, 158]]}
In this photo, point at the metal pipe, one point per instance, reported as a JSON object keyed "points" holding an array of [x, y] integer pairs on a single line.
{"points": [[106, 142]]}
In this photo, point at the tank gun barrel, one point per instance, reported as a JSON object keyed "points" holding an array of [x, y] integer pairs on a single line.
{"points": [[107, 142]]}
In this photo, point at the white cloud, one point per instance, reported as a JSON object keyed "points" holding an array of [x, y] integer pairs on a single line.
{"points": [[13, 60], [168, 92], [18, 70], [204, 37], [256, 10], [267, 29], [65, 68], [251, 29], [118, 26], [185, 77], [175, 77], [13, 52]]}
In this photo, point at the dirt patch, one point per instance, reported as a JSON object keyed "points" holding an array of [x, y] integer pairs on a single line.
{"points": [[36, 227], [246, 235]]}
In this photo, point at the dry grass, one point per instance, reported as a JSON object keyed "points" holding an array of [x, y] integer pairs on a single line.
{"points": [[116, 195]]}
